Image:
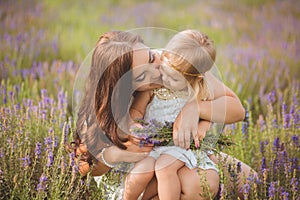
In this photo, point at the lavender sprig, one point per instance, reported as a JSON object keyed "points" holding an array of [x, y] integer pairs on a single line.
{"points": [[154, 133]]}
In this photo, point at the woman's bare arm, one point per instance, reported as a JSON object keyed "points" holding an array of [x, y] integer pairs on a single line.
{"points": [[139, 104], [225, 107], [112, 155]]}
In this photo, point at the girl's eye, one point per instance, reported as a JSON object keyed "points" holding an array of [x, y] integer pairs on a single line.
{"points": [[151, 57]]}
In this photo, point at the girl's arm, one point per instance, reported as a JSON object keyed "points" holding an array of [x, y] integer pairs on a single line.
{"points": [[224, 107]]}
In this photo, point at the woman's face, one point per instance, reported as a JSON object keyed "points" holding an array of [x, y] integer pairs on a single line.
{"points": [[145, 68]]}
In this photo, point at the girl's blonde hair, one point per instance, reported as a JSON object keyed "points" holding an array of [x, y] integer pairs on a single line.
{"points": [[191, 53]]}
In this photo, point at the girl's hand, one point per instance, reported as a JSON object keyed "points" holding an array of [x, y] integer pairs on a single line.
{"points": [[185, 125], [203, 127]]}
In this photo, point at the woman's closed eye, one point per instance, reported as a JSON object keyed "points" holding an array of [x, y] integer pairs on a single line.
{"points": [[175, 80], [140, 78]]}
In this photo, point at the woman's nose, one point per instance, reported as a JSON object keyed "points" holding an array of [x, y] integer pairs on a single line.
{"points": [[157, 58]]}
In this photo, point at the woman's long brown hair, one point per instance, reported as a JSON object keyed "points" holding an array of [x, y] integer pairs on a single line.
{"points": [[98, 118]]}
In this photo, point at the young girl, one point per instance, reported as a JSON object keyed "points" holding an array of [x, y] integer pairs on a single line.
{"points": [[187, 60]]}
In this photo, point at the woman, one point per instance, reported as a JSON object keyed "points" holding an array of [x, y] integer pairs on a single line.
{"points": [[122, 54]]}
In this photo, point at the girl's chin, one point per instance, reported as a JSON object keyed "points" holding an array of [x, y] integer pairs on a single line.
{"points": [[154, 86]]}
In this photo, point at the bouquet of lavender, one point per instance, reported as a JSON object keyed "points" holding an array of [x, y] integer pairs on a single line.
{"points": [[154, 133]]}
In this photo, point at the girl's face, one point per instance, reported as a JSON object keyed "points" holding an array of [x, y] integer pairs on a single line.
{"points": [[172, 79], [145, 68]]}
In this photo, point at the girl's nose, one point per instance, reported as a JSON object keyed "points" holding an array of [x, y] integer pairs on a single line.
{"points": [[164, 78], [155, 71]]}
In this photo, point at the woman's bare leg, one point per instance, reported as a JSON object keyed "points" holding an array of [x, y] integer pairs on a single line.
{"points": [[139, 177], [151, 190], [198, 184]]}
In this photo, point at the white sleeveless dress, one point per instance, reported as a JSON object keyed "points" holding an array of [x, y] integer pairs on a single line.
{"points": [[162, 110], [167, 110]]}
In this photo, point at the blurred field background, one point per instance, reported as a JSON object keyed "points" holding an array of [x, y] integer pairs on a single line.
{"points": [[43, 43]]}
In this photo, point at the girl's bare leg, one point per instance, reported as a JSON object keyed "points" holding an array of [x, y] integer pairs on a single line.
{"points": [[139, 177], [198, 184], [166, 168], [191, 186]]}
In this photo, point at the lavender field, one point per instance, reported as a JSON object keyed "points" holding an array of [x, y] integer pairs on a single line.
{"points": [[43, 43]]}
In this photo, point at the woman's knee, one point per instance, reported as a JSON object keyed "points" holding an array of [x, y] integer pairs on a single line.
{"points": [[198, 184]]}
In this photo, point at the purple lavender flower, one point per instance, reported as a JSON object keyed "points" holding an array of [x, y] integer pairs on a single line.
{"points": [[287, 167], [262, 147], [48, 142], [272, 97], [17, 89], [294, 184], [283, 156], [262, 123], [11, 95], [272, 189], [233, 128], [37, 151], [26, 161], [295, 165], [263, 163], [284, 193], [66, 133], [72, 159], [275, 165], [50, 158], [246, 188], [276, 144], [295, 139], [275, 123], [1, 153], [61, 99], [231, 171], [17, 107], [4, 96], [42, 183], [245, 126], [44, 93], [285, 115], [55, 141]]}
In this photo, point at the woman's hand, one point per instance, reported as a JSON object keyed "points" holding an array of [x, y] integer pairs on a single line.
{"points": [[185, 125], [116, 155], [112, 155]]}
